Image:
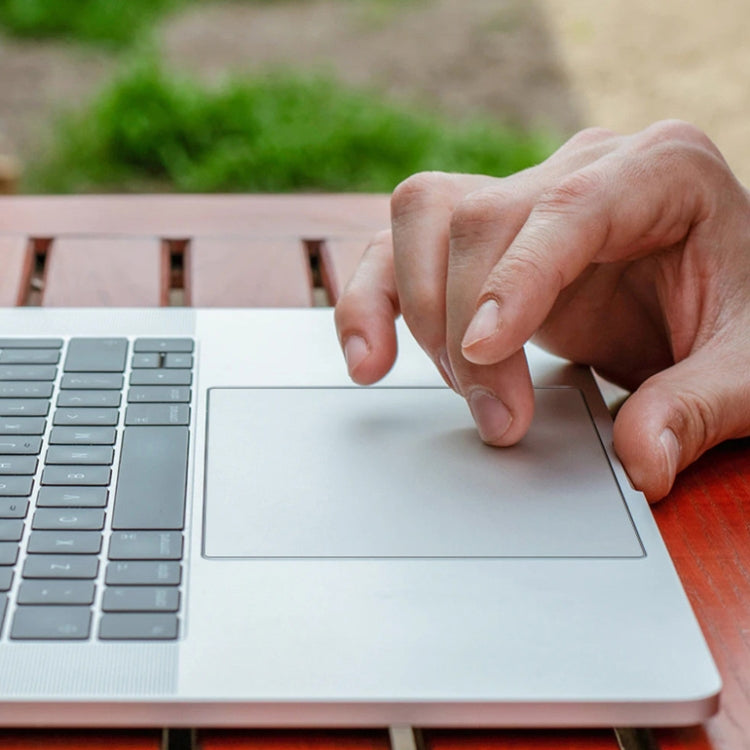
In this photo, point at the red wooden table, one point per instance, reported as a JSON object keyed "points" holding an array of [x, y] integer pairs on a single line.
{"points": [[229, 251]]}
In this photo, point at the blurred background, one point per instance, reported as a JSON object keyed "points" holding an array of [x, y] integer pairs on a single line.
{"points": [[329, 95]]}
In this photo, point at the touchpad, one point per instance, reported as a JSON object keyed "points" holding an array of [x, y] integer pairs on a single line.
{"points": [[401, 472]]}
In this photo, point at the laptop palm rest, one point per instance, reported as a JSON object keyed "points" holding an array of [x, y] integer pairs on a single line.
{"points": [[402, 473]]}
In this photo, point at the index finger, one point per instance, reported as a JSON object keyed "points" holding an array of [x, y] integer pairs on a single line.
{"points": [[623, 206]]}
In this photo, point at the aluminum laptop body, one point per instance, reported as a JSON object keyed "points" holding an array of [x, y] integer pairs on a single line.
{"points": [[352, 556]]}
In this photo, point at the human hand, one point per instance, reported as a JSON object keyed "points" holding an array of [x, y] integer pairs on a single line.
{"points": [[627, 253]]}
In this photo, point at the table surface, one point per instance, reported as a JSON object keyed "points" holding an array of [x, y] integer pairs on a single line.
{"points": [[268, 250]]}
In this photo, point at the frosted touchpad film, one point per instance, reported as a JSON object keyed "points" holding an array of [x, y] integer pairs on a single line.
{"points": [[401, 472]]}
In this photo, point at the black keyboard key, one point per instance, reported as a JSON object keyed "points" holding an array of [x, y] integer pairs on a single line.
{"points": [[161, 377], [11, 530], [51, 623], [29, 357], [157, 414], [163, 345], [15, 486], [96, 355], [11, 343], [178, 361], [18, 465], [145, 545], [25, 390], [61, 566], [72, 497], [101, 455], [140, 627], [82, 436], [64, 542], [23, 407], [141, 599], [13, 507], [151, 483], [56, 592], [145, 361], [28, 372], [154, 394], [86, 417], [6, 580], [3, 607], [82, 476], [79, 399], [97, 381], [68, 518], [8, 553], [143, 572], [22, 426], [29, 446]]}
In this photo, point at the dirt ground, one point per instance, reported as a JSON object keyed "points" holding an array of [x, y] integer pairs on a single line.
{"points": [[551, 65]]}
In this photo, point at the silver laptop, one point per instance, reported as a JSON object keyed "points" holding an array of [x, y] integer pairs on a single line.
{"points": [[204, 523]]}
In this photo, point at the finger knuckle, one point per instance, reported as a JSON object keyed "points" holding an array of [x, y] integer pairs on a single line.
{"points": [[684, 137], [569, 193], [703, 419], [531, 267], [420, 189], [476, 212], [420, 311], [589, 137]]}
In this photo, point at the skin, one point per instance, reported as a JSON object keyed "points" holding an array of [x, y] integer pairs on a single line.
{"points": [[627, 253]]}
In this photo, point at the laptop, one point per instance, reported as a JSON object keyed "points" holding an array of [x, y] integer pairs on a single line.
{"points": [[205, 523]]}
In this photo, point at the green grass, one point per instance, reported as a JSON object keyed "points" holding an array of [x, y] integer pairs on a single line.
{"points": [[113, 23], [149, 130]]}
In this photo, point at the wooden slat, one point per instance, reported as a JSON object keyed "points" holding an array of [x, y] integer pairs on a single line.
{"points": [[706, 524], [603, 739], [339, 257], [247, 272], [89, 739], [16, 262], [180, 216], [98, 271], [293, 740]]}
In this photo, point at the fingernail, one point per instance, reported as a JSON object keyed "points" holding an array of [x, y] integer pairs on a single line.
{"points": [[484, 323], [355, 351], [671, 446], [445, 365], [491, 415]]}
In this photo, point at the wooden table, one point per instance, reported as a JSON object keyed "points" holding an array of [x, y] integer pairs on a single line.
{"points": [[230, 251]]}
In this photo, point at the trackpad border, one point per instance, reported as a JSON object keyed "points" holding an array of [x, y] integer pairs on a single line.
{"points": [[400, 473]]}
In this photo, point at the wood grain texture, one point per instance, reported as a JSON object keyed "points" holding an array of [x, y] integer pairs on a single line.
{"points": [[706, 524], [339, 257], [313, 739], [88, 739], [603, 739], [98, 271], [180, 216], [16, 262], [247, 272]]}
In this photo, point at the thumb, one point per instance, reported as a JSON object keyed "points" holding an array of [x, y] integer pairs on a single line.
{"points": [[677, 415]]}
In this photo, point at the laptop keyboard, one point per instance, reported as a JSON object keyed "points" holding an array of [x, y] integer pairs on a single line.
{"points": [[94, 436]]}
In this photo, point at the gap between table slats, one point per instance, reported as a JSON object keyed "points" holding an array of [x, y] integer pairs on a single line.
{"points": [[339, 257], [112, 271], [17, 261], [247, 272]]}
